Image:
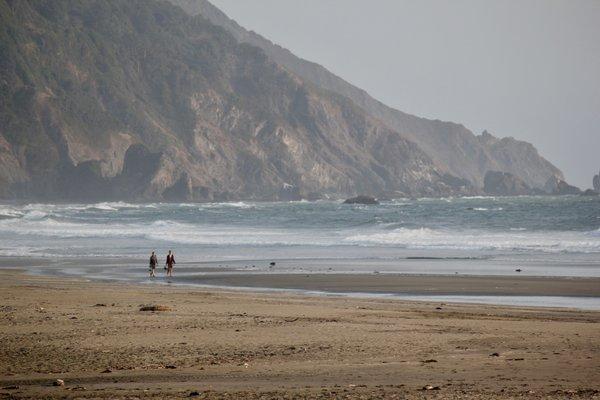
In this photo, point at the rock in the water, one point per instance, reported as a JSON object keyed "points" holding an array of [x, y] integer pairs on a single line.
{"points": [[559, 187], [590, 192], [361, 200], [504, 184], [565, 188]]}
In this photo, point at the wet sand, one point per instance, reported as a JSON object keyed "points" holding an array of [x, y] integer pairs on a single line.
{"points": [[438, 285], [228, 344]]}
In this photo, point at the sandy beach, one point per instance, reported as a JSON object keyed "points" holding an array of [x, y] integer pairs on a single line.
{"points": [[229, 344]]}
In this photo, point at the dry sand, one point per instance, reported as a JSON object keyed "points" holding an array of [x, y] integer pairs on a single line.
{"points": [[227, 344]]}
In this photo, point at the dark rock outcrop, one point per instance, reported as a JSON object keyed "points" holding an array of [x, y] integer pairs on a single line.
{"points": [[140, 166], [289, 193], [590, 192], [362, 199], [504, 184], [564, 188], [181, 190], [558, 186]]}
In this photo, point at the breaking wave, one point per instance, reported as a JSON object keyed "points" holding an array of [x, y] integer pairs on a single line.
{"points": [[537, 225], [38, 224], [425, 238]]}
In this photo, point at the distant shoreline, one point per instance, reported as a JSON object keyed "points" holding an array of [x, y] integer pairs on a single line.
{"points": [[517, 290]]}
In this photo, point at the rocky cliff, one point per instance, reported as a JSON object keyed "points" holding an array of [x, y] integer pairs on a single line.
{"points": [[136, 99], [451, 146]]}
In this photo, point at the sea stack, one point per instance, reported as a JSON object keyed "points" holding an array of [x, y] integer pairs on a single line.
{"points": [[596, 182]]}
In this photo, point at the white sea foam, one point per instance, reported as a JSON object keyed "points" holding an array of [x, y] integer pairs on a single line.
{"points": [[39, 224], [425, 238], [33, 215], [8, 212], [169, 231]]}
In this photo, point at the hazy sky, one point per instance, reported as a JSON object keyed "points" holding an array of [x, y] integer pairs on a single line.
{"points": [[528, 69]]}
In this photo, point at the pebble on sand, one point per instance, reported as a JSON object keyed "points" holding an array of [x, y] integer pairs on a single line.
{"points": [[58, 382]]}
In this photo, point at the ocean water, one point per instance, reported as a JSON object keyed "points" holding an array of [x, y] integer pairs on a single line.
{"points": [[485, 235]]}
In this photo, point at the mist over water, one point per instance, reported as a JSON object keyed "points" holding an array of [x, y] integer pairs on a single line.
{"points": [[490, 232]]}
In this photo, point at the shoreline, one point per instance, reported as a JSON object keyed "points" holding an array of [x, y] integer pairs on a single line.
{"points": [[526, 291], [408, 284], [505, 290]]}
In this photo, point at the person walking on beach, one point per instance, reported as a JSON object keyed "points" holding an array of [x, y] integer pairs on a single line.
{"points": [[153, 263], [169, 263]]}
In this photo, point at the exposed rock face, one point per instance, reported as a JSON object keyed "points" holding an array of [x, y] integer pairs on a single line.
{"points": [[362, 199], [504, 184], [137, 100], [452, 147], [557, 186]]}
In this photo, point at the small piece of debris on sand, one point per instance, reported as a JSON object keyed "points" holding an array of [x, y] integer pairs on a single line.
{"points": [[155, 307]]}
